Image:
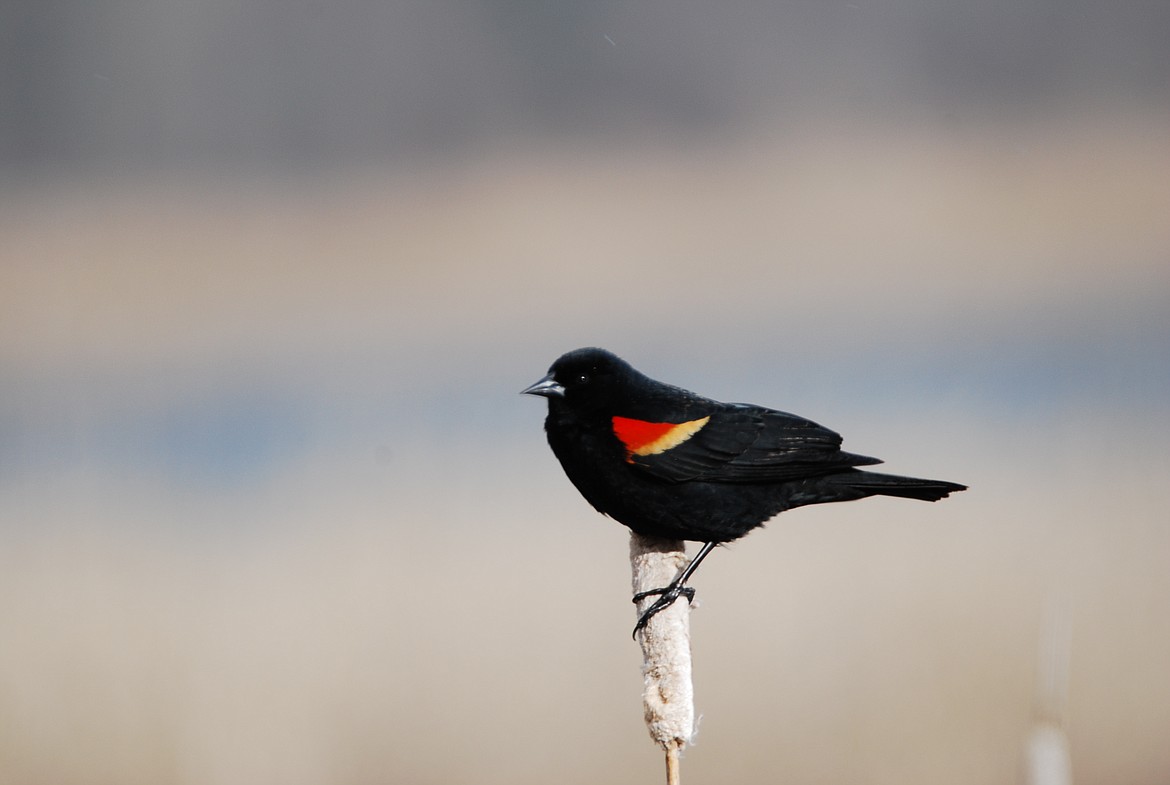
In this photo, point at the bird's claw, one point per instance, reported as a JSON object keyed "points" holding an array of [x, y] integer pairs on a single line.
{"points": [[674, 591], [669, 595]]}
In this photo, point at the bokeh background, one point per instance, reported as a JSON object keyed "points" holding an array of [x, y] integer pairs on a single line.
{"points": [[271, 276]]}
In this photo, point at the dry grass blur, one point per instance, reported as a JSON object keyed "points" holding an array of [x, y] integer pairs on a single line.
{"points": [[413, 594]]}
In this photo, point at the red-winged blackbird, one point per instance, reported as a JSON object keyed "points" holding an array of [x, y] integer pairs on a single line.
{"points": [[669, 463]]}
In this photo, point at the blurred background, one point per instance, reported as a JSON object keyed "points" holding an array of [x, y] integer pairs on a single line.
{"points": [[271, 276]]}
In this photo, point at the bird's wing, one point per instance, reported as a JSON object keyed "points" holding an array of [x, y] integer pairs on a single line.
{"points": [[737, 443]]}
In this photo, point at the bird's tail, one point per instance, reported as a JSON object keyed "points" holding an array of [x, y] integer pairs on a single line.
{"points": [[859, 484]]}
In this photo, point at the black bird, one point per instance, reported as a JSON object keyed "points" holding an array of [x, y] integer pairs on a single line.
{"points": [[669, 463]]}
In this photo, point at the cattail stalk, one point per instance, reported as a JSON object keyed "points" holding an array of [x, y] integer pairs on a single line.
{"points": [[668, 695]]}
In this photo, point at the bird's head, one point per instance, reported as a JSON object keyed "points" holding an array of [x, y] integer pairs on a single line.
{"points": [[585, 380]]}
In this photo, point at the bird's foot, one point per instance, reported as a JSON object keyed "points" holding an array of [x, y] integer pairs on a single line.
{"points": [[669, 595]]}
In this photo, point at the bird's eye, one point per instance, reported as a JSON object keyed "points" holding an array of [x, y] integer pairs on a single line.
{"points": [[582, 378]]}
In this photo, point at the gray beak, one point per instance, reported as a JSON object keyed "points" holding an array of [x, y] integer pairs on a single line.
{"points": [[546, 387]]}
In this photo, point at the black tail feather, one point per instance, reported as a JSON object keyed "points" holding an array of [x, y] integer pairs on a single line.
{"points": [[875, 484]]}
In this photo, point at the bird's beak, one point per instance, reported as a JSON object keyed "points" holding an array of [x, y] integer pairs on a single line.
{"points": [[547, 387]]}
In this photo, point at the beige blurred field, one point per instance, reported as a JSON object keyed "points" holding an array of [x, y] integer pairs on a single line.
{"points": [[420, 597]]}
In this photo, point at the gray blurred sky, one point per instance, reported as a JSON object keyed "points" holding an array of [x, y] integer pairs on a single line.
{"points": [[116, 83]]}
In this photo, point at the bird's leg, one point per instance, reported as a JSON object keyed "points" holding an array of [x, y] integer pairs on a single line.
{"points": [[676, 589]]}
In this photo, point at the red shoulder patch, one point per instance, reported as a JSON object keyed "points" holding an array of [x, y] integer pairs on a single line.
{"points": [[642, 437]]}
